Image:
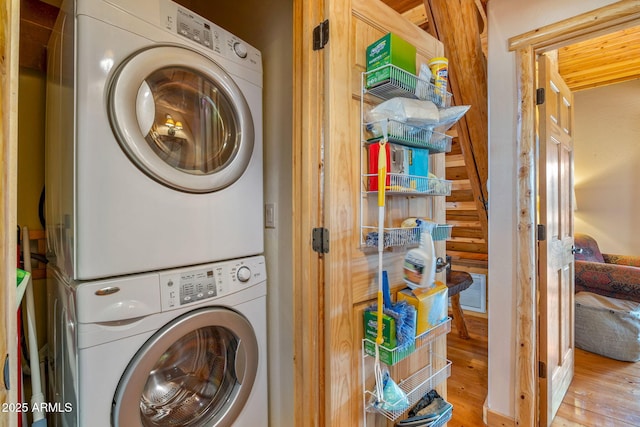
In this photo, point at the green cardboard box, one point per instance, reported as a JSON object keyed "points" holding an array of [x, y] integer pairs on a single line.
{"points": [[390, 49], [388, 328], [388, 354]]}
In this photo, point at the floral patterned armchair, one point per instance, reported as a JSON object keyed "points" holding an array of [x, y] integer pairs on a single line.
{"points": [[616, 276]]}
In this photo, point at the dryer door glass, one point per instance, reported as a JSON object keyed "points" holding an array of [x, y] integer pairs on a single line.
{"points": [[196, 371], [181, 119], [192, 380], [194, 127]]}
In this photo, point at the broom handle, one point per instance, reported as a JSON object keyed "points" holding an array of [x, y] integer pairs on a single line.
{"points": [[382, 178]]}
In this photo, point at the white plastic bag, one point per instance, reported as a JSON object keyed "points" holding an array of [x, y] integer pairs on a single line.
{"points": [[393, 397], [413, 112]]}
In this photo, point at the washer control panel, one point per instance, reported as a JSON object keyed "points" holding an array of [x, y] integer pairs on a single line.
{"points": [[194, 28], [180, 287], [191, 26]]}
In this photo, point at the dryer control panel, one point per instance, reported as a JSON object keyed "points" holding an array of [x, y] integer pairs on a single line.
{"points": [[205, 33], [184, 286], [194, 28]]}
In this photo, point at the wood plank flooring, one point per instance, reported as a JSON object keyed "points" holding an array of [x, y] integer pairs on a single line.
{"points": [[604, 392], [467, 385]]}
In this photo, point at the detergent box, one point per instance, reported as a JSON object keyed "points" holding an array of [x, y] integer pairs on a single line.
{"points": [[393, 50], [431, 305]]}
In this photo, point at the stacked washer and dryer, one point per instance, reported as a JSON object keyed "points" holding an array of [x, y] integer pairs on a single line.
{"points": [[157, 291]]}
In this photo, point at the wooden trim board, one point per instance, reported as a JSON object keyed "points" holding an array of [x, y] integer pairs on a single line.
{"points": [[9, 23]]}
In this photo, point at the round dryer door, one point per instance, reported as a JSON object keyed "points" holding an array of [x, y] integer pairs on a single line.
{"points": [[196, 371], [181, 119]]}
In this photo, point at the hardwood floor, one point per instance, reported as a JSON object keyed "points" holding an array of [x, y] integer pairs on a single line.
{"points": [[604, 392], [467, 385]]}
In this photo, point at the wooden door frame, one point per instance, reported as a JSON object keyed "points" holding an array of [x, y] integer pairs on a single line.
{"points": [[307, 265], [527, 46], [9, 16]]}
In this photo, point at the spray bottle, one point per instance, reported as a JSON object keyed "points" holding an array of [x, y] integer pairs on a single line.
{"points": [[419, 269]]}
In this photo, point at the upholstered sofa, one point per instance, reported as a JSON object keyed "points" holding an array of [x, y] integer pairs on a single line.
{"points": [[616, 276]]}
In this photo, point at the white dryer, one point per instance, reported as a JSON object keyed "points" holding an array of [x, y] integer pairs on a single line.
{"points": [[184, 347], [154, 140]]}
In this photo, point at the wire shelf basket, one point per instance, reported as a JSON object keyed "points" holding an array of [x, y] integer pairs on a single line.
{"points": [[395, 355], [408, 135], [401, 83], [400, 237], [401, 184], [414, 387]]}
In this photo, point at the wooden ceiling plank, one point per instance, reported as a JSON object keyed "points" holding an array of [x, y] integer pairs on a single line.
{"points": [[612, 41], [597, 56], [603, 71], [619, 65], [604, 78], [582, 82], [624, 37], [595, 84]]}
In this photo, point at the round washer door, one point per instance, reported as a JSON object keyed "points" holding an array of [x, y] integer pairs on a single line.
{"points": [[181, 119], [197, 370]]}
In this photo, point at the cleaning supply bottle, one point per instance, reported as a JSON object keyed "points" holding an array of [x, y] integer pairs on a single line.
{"points": [[419, 269]]}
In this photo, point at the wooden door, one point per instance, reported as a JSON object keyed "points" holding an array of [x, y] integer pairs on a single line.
{"points": [[332, 289], [9, 13], [556, 273]]}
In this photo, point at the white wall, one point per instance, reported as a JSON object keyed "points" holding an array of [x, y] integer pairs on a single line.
{"points": [[607, 166], [268, 26], [508, 18]]}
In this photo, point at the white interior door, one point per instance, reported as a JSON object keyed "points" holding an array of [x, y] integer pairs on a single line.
{"points": [[556, 268]]}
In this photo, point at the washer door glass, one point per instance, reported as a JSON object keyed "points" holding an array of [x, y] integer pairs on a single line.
{"points": [[196, 371], [181, 119]]}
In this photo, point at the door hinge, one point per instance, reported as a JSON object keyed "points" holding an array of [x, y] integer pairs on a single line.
{"points": [[321, 35], [542, 369], [320, 240], [542, 232], [540, 96]]}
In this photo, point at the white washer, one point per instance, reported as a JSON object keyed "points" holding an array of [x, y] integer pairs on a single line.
{"points": [[154, 140], [181, 347]]}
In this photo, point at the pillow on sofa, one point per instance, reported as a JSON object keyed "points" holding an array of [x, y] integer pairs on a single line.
{"points": [[590, 250], [607, 326]]}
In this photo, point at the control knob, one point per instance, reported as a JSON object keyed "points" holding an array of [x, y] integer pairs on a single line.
{"points": [[244, 274], [240, 49]]}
